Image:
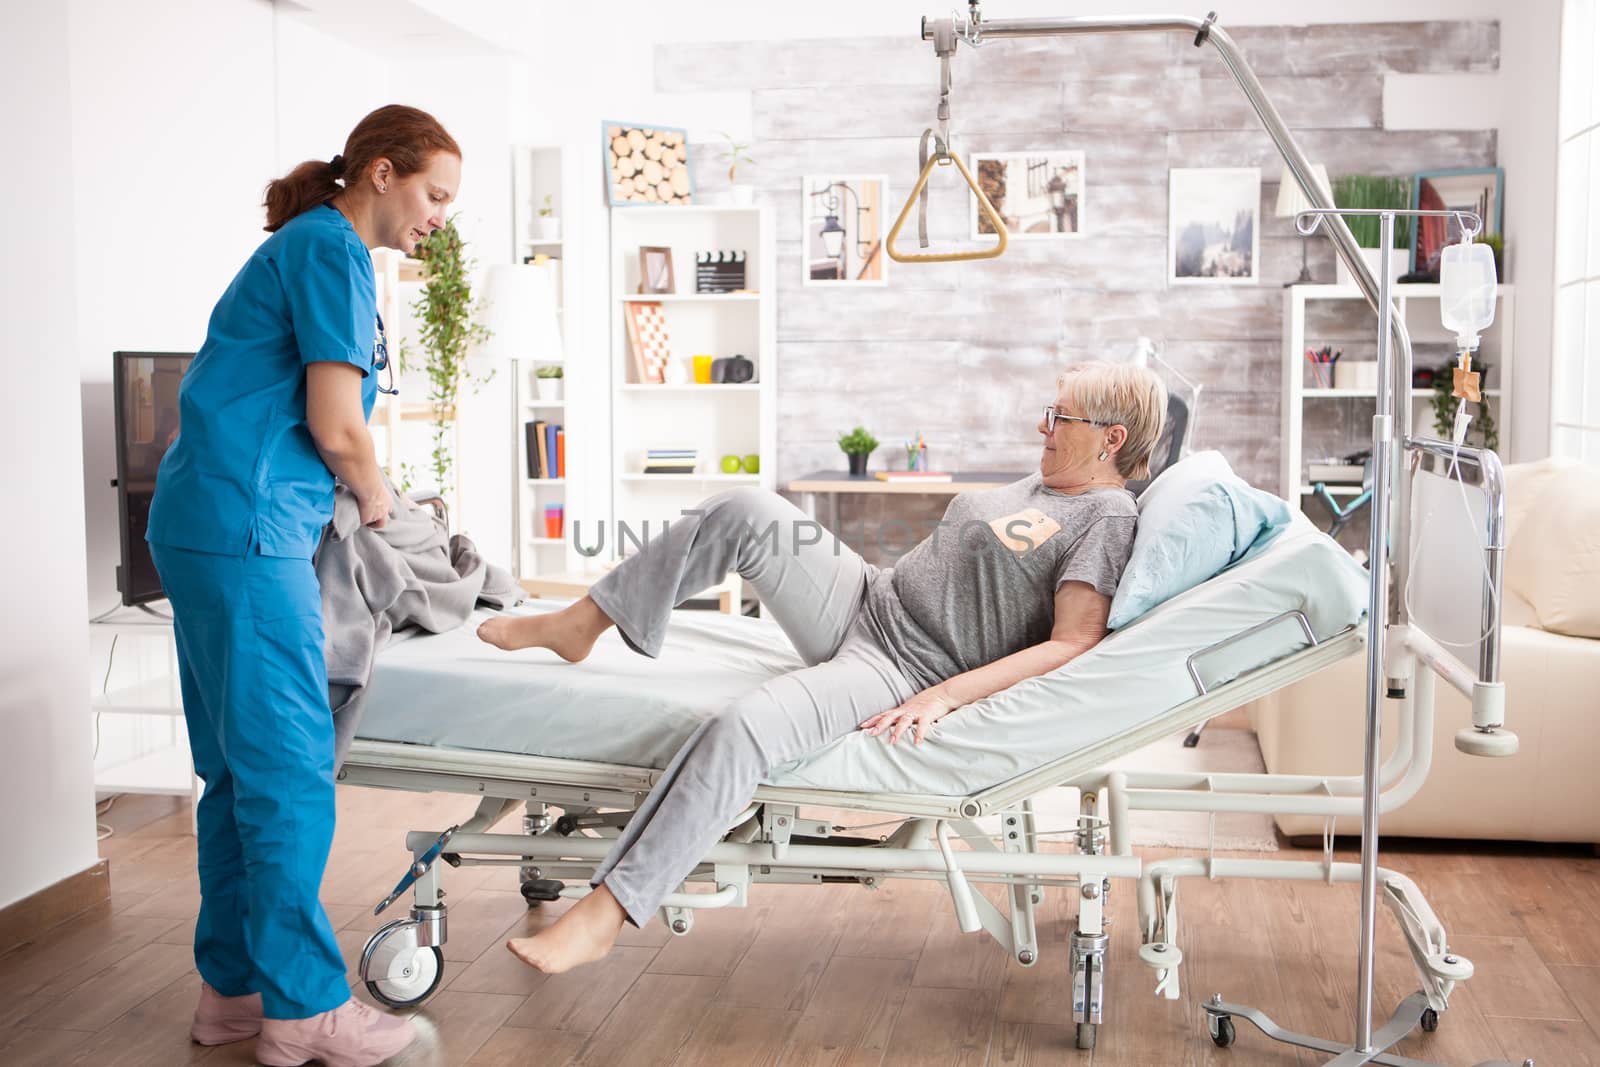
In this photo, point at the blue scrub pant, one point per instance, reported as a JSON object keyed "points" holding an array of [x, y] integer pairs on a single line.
{"points": [[255, 695]]}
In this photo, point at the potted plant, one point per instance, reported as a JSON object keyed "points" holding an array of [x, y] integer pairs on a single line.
{"points": [[447, 331], [858, 444], [547, 227], [733, 154], [1367, 191], [1482, 431], [547, 384]]}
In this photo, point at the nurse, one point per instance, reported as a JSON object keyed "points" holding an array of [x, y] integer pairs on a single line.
{"points": [[273, 408]]}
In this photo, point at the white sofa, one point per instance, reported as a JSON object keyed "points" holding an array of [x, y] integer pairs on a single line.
{"points": [[1550, 790]]}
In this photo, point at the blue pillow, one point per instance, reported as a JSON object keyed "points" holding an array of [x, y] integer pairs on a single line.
{"points": [[1195, 521]]}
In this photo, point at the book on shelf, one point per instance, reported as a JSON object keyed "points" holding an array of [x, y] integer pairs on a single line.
{"points": [[545, 447], [913, 476], [532, 432], [671, 460]]}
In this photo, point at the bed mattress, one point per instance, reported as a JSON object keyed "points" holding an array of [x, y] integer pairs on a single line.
{"points": [[617, 707]]}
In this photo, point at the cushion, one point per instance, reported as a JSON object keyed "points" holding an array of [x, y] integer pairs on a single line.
{"points": [[1553, 555], [1196, 520], [1525, 484]]}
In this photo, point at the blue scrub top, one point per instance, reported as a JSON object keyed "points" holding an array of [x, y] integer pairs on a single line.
{"points": [[244, 470]]}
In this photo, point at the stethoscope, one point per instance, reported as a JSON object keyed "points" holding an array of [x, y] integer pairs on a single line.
{"points": [[380, 360]]}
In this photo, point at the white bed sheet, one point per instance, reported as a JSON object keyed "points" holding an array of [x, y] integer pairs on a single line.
{"points": [[618, 707]]}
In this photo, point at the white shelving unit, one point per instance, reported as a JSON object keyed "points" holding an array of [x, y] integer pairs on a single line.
{"points": [[715, 419], [136, 681], [1351, 327], [538, 172]]}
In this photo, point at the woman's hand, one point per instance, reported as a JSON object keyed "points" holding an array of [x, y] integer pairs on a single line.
{"points": [[916, 715]]}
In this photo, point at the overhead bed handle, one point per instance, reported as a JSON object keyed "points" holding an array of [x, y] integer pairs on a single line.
{"points": [[945, 36]]}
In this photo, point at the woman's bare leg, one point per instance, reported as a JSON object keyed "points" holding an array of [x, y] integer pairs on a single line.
{"points": [[570, 633], [583, 934]]}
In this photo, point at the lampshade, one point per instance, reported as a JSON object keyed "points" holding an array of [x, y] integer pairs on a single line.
{"points": [[521, 313], [1292, 201]]}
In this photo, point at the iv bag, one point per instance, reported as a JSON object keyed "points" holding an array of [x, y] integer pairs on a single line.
{"points": [[1466, 291]]}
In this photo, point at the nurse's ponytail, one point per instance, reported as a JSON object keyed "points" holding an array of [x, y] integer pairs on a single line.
{"points": [[405, 136]]}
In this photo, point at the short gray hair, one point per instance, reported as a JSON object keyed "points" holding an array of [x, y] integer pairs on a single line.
{"points": [[1120, 394]]}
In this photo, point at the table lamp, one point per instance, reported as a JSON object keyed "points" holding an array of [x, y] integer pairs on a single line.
{"points": [[521, 314], [1292, 200]]}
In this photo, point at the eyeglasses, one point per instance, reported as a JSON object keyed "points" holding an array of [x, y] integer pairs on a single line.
{"points": [[1052, 416], [380, 360]]}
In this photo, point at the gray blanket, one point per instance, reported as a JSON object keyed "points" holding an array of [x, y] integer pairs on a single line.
{"points": [[375, 582]]}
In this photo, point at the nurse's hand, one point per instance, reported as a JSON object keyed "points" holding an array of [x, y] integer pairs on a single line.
{"points": [[375, 510]]}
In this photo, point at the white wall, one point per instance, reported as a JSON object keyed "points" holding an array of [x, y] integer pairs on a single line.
{"points": [[45, 788], [172, 148]]}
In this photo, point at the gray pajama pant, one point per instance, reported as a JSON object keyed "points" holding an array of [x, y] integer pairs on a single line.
{"points": [[815, 593]]}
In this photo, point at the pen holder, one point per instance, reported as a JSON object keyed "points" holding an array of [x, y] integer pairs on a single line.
{"points": [[1356, 374]]}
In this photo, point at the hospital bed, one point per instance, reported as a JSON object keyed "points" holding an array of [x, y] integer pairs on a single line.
{"points": [[574, 749]]}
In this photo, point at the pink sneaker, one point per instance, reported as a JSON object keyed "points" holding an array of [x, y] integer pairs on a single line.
{"points": [[219, 1020], [351, 1035]]}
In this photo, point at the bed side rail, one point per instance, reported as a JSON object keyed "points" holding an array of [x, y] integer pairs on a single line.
{"points": [[1211, 702]]}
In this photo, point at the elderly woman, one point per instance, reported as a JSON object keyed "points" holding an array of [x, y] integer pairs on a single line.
{"points": [[1016, 582]]}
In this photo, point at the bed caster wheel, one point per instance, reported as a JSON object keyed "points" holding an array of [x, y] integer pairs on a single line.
{"points": [[1222, 1033], [1430, 1020], [398, 972], [541, 891], [1086, 1035]]}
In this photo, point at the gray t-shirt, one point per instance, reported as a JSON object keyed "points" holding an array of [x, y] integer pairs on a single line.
{"points": [[983, 585]]}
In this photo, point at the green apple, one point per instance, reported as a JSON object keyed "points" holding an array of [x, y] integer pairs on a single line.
{"points": [[730, 464]]}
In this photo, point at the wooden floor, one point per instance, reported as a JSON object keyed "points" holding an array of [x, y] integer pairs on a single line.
{"points": [[831, 975]]}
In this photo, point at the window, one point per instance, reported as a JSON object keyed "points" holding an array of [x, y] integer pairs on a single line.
{"points": [[1575, 378]]}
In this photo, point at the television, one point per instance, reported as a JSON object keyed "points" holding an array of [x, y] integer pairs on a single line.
{"points": [[145, 388]]}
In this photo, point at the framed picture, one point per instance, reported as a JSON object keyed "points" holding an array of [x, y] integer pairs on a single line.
{"points": [[1478, 191], [844, 230], [1213, 225], [1038, 194], [648, 341], [655, 270], [646, 164]]}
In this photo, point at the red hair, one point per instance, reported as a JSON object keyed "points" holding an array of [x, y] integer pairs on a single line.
{"points": [[405, 136]]}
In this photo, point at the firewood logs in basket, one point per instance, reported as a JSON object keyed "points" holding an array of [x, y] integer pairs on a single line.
{"points": [[648, 166]]}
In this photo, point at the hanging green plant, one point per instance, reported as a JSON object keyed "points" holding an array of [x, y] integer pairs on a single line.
{"points": [[448, 333]]}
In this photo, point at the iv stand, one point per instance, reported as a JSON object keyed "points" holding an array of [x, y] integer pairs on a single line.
{"points": [[1394, 377], [975, 30]]}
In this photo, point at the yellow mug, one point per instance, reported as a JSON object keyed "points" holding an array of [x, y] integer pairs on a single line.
{"points": [[702, 370]]}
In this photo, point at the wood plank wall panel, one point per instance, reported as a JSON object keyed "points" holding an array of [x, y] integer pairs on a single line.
{"points": [[966, 352]]}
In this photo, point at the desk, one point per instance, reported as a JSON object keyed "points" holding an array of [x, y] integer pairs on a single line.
{"points": [[727, 591], [833, 483]]}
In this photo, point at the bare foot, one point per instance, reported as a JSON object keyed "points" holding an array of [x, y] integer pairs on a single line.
{"points": [[584, 934], [570, 633]]}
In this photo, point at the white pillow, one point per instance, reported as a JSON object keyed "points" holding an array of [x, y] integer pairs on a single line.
{"points": [[1553, 557], [1195, 520]]}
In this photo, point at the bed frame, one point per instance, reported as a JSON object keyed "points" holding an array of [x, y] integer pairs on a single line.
{"points": [[774, 841]]}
